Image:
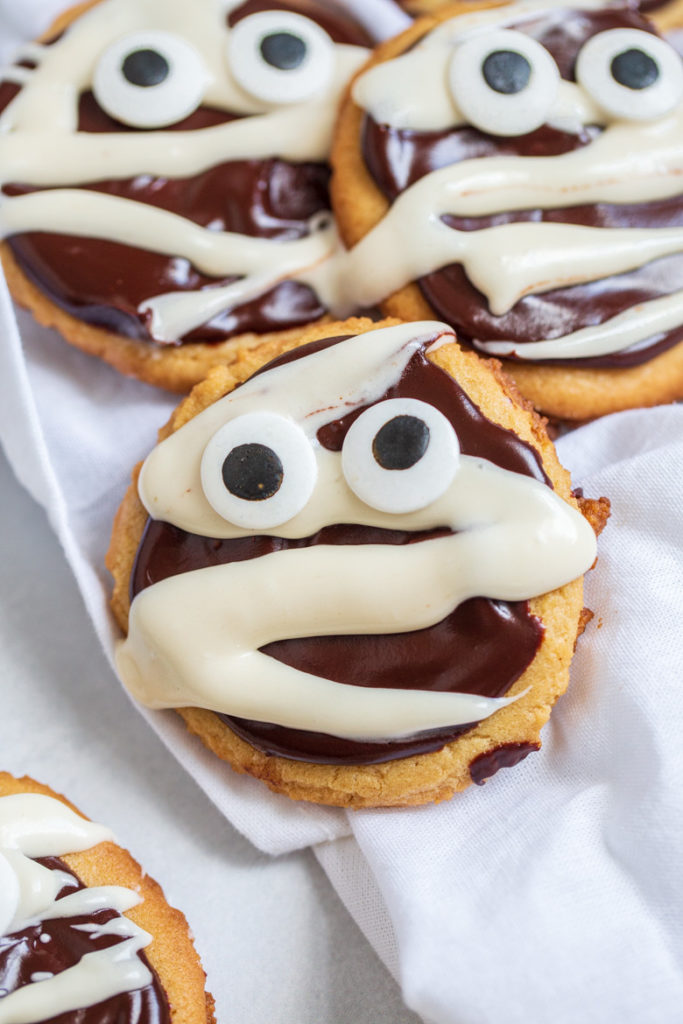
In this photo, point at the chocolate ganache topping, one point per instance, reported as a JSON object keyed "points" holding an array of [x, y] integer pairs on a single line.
{"points": [[103, 283], [398, 157], [54, 945], [482, 647]]}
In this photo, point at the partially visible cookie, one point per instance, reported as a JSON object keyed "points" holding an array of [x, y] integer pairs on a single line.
{"points": [[358, 575], [85, 935], [512, 172], [183, 212]]}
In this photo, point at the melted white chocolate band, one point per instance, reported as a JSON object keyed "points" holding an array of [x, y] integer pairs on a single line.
{"points": [[33, 825], [194, 638], [44, 115], [630, 162]]}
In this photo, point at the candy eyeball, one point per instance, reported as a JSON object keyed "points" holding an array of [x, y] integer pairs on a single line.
{"points": [[631, 74], [150, 79], [504, 82], [280, 57], [258, 471], [400, 455]]}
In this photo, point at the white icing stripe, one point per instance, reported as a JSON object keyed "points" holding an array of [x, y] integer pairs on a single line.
{"points": [[218, 253], [628, 163], [33, 825], [39, 826], [194, 639], [175, 314], [89, 901], [17, 75], [85, 157], [644, 321]]}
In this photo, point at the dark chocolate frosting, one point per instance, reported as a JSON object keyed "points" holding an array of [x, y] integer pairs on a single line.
{"points": [[27, 952], [482, 647], [507, 755], [103, 283], [396, 158]]}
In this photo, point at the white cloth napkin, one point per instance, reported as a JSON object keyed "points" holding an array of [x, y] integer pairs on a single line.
{"points": [[552, 894]]}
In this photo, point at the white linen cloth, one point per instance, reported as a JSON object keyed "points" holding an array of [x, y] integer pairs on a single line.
{"points": [[552, 894]]}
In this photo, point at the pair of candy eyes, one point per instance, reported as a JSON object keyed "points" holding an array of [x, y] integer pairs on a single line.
{"points": [[505, 82], [154, 78], [260, 469]]}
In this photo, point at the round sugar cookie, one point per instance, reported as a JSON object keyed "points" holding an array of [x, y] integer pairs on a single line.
{"points": [[183, 211], [404, 624], [155, 974], [536, 213]]}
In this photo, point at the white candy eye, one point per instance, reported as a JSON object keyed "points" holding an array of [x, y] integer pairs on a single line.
{"points": [[400, 455], [631, 74], [150, 79], [258, 471], [504, 82], [281, 57]]}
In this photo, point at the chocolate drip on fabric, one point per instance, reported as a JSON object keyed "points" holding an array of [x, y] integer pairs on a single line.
{"points": [[397, 158], [505, 756], [26, 952], [103, 283], [482, 647]]}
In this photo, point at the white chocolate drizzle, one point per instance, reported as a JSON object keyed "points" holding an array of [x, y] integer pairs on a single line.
{"points": [[44, 115], [628, 163], [33, 825], [194, 639]]}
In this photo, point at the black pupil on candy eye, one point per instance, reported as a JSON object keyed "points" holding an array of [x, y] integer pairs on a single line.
{"points": [[283, 50], [401, 442], [634, 69], [252, 472], [145, 68], [506, 71]]}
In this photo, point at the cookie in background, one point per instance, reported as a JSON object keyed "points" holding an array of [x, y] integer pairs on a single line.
{"points": [[516, 170], [164, 180], [85, 935]]}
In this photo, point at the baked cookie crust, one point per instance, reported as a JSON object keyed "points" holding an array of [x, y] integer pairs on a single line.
{"points": [[564, 393], [428, 777], [171, 952]]}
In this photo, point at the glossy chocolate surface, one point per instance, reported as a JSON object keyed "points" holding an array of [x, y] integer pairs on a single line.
{"points": [[396, 158], [27, 952], [482, 647], [103, 283]]}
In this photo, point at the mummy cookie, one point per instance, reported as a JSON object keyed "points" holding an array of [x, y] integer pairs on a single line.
{"points": [[163, 176], [357, 576], [85, 936], [517, 170]]}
